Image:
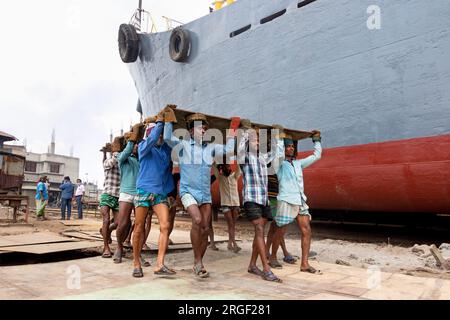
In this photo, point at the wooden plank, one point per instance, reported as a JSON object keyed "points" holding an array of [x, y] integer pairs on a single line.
{"points": [[55, 247], [31, 238], [79, 235], [222, 124], [71, 223]]}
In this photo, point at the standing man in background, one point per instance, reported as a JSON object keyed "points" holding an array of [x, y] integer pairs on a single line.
{"points": [[67, 189], [79, 198]]}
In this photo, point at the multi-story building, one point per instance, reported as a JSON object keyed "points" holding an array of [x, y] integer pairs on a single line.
{"points": [[52, 165]]}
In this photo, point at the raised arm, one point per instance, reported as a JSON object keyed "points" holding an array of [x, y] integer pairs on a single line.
{"points": [[111, 162], [146, 145], [228, 148], [123, 156], [317, 151], [306, 162], [169, 138]]}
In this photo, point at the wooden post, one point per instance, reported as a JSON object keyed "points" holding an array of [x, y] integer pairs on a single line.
{"points": [[27, 209]]}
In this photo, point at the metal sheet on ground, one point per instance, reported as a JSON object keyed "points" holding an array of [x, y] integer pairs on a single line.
{"points": [[224, 123], [55, 247], [31, 238]]}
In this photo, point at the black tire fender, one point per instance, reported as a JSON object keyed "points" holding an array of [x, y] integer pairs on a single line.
{"points": [[180, 44], [128, 43]]}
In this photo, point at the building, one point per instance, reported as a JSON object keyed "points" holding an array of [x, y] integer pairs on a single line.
{"points": [[52, 165]]}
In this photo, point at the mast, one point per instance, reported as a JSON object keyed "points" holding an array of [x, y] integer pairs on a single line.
{"points": [[139, 15]]}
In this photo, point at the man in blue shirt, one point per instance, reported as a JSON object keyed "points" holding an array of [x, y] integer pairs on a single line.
{"points": [[66, 198], [41, 198], [129, 169], [153, 184], [196, 158], [292, 199]]}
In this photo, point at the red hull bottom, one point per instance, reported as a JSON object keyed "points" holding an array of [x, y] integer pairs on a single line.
{"points": [[397, 176]]}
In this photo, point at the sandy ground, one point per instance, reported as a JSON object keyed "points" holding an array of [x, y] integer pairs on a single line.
{"points": [[380, 256]]}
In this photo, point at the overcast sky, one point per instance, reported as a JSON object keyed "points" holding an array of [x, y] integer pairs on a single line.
{"points": [[60, 68]]}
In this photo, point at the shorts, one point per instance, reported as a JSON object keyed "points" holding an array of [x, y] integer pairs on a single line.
{"points": [[226, 209], [148, 199], [287, 213], [188, 200], [255, 211], [107, 200], [126, 197]]}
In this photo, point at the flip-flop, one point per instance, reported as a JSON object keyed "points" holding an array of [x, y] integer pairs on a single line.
{"points": [[270, 276], [237, 249], [200, 271], [106, 255], [137, 273], [117, 258], [256, 271], [164, 271], [275, 264], [145, 263], [214, 248], [289, 259], [311, 270], [127, 244]]}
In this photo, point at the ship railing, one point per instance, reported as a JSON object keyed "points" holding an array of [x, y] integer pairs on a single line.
{"points": [[141, 20], [172, 23]]}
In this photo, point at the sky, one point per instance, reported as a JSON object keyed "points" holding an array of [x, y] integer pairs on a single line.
{"points": [[60, 69]]}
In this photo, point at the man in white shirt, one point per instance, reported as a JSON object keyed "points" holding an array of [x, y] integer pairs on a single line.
{"points": [[79, 198]]}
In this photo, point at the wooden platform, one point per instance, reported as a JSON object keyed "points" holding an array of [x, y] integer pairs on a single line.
{"points": [[222, 124]]}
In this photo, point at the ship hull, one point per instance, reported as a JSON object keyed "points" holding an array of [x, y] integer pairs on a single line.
{"points": [[319, 66]]}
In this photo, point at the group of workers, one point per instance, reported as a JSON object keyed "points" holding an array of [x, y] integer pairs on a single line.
{"points": [[139, 175]]}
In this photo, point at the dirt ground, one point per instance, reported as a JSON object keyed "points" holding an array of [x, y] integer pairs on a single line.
{"points": [[416, 261]]}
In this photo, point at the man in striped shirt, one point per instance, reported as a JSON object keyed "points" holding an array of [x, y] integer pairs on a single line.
{"points": [[256, 201], [109, 200]]}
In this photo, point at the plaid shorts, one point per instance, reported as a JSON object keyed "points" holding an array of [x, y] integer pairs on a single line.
{"points": [[148, 199], [287, 213], [107, 200]]}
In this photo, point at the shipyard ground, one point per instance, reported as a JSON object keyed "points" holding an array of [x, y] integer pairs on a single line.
{"points": [[375, 271]]}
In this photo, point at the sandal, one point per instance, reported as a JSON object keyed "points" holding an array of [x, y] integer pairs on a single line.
{"points": [[117, 257], [311, 270], [127, 244], [200, 271], [275, 264], [106, 255], [164, 271], [145, 263], [137, 273], [255, 270], [270, 276], [289, 259]]}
